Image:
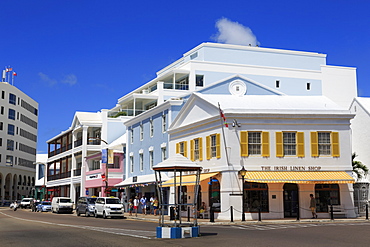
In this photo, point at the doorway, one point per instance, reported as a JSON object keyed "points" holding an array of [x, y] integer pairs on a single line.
{"points": [[291, 200]]}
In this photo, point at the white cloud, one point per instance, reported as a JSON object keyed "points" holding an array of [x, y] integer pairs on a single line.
{"points": [[70, 79], [47, 79], [230, 32]]}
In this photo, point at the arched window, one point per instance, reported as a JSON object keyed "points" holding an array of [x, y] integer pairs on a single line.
{"points": [[214, 195], [256, 195], [325, 195]]}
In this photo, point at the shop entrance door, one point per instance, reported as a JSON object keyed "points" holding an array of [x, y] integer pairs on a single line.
{"points": [[291, 201]]}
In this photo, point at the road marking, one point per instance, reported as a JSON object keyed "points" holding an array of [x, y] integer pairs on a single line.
{"points": [[117, 231]]}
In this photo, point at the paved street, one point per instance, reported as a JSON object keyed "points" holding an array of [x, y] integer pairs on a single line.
{"points": [[24, 228]]}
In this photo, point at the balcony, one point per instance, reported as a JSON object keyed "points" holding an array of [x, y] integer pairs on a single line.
{"points": [[126, 112], [59, 176]]}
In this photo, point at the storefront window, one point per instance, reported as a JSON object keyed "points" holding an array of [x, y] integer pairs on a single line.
{"points": [[256, 195], [326, 194]]}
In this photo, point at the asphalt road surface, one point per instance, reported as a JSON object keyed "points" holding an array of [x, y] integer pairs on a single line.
{"points": [[24, 228]]}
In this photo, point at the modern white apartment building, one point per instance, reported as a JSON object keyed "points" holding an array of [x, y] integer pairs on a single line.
{"points": [[18, 139]]}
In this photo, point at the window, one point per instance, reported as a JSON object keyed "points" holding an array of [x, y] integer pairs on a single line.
{"points": [[164, 153], [256, 196], [182, 83], [164, 127], [9, 160], [2, 110], [141, 132], [12, 99], [289, 143], [325, 195], [3, 94], [132, 135], [1, 125], [277, 84], [11, 114], [254, 143], [11, 129], [141, 161], [325, 144], [10, 145], [196, 149], [181, 148], [213, 146], [151, 159], [151, 128], [131, 164], [199, 80], [95, 165], [1, 142], [308, 86]]}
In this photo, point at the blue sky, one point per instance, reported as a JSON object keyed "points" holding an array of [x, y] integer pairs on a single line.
{"points": [[83, 55]]}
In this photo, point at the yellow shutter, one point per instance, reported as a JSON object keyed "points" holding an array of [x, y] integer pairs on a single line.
{"points": [[265, 144], [300, 144], [335, 144], [314, 145], [279, 144], [218, 146], [177, 148], [186, 149], [244, 143], [208, 147], [192, 150], [200, 149]]}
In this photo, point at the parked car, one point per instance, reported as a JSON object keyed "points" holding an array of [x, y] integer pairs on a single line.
{"points": [[108, 207], [62, 204], [44, 206], [26, 202], [86, 205]]}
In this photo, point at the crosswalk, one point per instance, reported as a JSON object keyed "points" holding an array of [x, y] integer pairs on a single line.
{"points": [[267, 227]]}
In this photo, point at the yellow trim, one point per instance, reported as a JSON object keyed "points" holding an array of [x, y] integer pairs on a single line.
{"points": [[218, 146], [192, 150], [279, 144], [314, 144], [208, 147], [244, 143], [265, 144], [188, 180], [309, 177], [185, 149], [335, 144], [200, 149], [300, 144]]}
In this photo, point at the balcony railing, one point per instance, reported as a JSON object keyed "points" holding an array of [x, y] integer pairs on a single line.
{"points": [[126, 112], [59, 176], [77, 172]]}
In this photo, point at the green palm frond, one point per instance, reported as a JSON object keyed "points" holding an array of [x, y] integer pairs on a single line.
{"points": [[358, 167]]}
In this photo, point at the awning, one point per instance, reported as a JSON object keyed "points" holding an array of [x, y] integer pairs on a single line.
{"points": [[188, 179], [140, 180], [314, 177]]}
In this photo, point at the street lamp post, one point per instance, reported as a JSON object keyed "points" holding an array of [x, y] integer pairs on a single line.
{"points": [[106, 162], [242, 173]]}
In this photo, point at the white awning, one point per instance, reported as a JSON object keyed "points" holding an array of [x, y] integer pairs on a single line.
{"points": [[141, 180]]}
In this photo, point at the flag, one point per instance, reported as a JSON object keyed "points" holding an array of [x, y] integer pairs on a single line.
{"points": [[8, 69], [223, 116], [14, 74]]}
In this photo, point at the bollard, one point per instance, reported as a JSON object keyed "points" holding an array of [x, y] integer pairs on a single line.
{"points": [[298, 213], [331, 212], [367, 211], [232, 214], [188, 214], [212, 215], [259, 214]]}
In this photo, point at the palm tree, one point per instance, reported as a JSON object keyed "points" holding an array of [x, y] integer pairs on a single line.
{"points": [[358, 167]]}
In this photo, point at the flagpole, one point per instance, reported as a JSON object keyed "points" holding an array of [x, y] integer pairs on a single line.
{"points": [[223, 133]]}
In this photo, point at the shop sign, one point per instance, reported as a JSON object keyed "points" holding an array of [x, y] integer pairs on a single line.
{"points": [[291, 168]]}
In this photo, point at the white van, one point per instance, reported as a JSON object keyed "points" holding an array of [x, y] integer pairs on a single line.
{"points": [[108, 207], [62, 204]]}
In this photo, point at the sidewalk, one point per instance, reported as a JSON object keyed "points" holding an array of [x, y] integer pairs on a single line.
{"points": [[153, 218]]}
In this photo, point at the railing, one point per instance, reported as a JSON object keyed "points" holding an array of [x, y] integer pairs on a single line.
{"points": [[59, 176], [78, 143], [77, 172], [126, 112]]}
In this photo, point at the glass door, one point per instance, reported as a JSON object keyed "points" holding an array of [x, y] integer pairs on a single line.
{"points": [[291, 201]]}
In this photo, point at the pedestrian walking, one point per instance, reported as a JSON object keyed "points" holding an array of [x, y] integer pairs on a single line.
{"points": [[130, 207], [136, 204], [155, 205], [313, 206], [143, 202]]}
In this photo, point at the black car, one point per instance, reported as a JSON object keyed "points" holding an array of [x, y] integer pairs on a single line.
{"points": [[85, 205]]}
